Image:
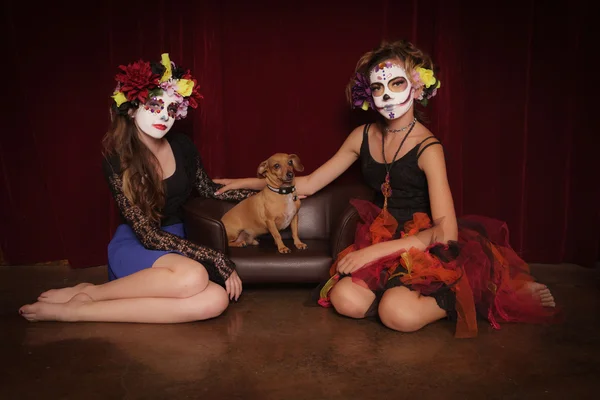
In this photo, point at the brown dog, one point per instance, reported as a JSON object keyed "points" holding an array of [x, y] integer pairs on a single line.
{"points": [[270, 210]]}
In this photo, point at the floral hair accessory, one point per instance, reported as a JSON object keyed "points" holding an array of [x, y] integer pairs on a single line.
{"points": [[138, 81], [361, 93], [382, 65], [425, 78]]}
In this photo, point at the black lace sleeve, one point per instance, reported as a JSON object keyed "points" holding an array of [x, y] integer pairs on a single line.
{"points": [[197, 174], [217, 264], [207, 188]]}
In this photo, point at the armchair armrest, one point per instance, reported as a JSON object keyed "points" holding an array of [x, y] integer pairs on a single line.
{"points": [[344, 223], [203, 222], [344, 231]]}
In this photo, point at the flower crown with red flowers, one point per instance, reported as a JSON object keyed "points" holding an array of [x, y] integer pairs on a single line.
{"points": [[138, 81]]}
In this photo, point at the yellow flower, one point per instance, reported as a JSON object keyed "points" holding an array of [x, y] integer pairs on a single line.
{"points": [[184, 87], [426, 76], [365, 105], [119, 98], [166, 61], [438, 84], [408, 261]]}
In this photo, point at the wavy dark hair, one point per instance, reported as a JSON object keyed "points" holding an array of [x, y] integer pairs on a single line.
{"points": [[142, 180]]}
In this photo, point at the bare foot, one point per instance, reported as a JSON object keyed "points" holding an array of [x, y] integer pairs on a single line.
{"points": [[540, 292], [42, 311], [62, 295]]}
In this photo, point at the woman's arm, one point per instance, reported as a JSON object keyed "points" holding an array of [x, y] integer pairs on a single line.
{"points": [[321, 177], [334, 167], [433, 163], [194, 167], [445, 227], [207, 188], [246, 183]]}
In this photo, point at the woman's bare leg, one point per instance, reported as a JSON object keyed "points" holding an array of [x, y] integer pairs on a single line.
{"points": [[172, 276], [407, 311], [209, 303], [351, 299]]}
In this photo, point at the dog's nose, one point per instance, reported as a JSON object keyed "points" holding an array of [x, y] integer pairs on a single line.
{"points": [[290, 175]]}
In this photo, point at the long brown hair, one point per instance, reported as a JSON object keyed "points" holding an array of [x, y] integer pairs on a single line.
{"points": [[411, 56], [142, 182]]}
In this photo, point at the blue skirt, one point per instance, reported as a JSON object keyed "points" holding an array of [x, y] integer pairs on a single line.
{"points": [[126, 255]]}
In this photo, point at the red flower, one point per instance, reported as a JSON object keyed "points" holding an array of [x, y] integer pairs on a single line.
{"points": [[137, 80], [196, 95]]}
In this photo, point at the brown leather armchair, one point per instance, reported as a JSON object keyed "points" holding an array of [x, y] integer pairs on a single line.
{"points": [[326, 223]]}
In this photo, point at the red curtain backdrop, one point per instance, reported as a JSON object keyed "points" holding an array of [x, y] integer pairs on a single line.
{"points": [[514, 111]]}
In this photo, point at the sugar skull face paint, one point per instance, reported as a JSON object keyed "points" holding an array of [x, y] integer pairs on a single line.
{"points": [[156, 117], [391, 89]]}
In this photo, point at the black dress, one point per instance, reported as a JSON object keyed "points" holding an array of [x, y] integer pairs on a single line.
{"points": [[138, 242]]}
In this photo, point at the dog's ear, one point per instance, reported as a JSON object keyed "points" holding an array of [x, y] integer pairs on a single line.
{"points": [[262, 169], [296, 161]]}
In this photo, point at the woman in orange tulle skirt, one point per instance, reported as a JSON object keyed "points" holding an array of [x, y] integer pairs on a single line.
{"points": [[478, 274], [412, 261]]}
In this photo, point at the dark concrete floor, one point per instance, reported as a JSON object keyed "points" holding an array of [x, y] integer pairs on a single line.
{"points": [[275, 344]]}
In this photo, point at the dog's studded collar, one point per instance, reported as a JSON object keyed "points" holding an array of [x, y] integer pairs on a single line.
{"points": [[282, 190]]}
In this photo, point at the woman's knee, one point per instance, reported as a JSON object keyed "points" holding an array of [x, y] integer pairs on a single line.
{"points": [[190, 276], [399, 310], [210, 304], [350, 299]]}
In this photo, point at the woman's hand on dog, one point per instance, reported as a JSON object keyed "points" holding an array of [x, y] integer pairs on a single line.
{"points": [[242, 183], [233, 286], [358, 259]]}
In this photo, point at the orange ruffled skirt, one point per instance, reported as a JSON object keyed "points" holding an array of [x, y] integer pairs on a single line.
{"points": [[481, 268]]}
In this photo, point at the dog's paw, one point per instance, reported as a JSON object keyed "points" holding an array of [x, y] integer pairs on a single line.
{"points": [[300, 246], [255, 242], [284, 250]]}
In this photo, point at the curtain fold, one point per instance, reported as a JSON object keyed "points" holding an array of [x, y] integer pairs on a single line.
{"points": [[514, 111]]}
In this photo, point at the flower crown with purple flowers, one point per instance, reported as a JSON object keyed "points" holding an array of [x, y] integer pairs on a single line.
{"points": [[142, 80], [421, 77]]}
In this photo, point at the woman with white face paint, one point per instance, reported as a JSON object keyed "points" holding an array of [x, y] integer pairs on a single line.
{"points": [[155, 274], [412, 262]]}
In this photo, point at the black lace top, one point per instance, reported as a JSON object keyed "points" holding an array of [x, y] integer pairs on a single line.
{"points": [[189, 176], [410, 193]]}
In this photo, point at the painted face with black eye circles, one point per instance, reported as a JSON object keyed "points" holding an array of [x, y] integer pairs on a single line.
{"points": [[156, 117], [391, 89]]}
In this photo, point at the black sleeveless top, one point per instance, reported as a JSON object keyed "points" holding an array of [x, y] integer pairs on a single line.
{"points": [[410, 193], [179, 185]]}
